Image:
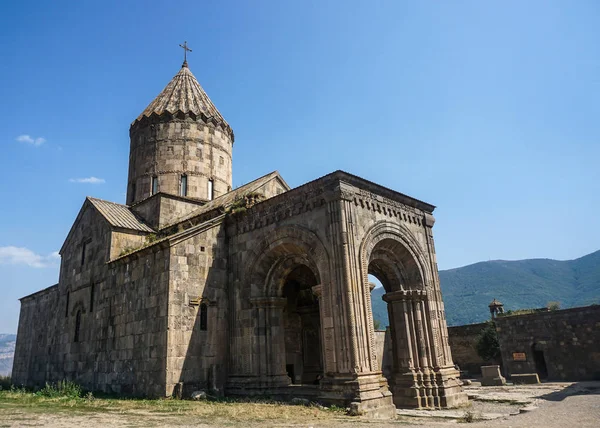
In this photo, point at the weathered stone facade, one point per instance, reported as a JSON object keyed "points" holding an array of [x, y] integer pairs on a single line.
{"points": [[557, 345], [262, 290]]}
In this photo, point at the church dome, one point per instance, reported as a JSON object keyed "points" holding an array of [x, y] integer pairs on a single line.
{"points": [[184, 94], [180, 145]]}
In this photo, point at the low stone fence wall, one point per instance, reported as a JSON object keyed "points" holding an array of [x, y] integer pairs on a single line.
{"points": [[383, 346], [558, 345], [463, 339]]}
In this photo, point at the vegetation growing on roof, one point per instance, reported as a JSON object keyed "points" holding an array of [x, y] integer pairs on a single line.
{"points": [[242, 203]]}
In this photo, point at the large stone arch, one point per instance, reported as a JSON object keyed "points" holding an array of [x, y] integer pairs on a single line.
{"points": [[279, 253], [264, 305]]}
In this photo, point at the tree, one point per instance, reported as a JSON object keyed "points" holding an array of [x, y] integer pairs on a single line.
{"points": [[376, 324], [553, 306], [488, 345]]}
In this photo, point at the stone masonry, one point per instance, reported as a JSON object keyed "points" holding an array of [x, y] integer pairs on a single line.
{"points": [[557, 345], [260, 290]]}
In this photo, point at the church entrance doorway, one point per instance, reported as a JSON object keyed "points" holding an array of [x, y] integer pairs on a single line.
{"points": [[302, 327]]}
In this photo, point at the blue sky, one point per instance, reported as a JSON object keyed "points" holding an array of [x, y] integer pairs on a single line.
{"points": [[489, 110]]}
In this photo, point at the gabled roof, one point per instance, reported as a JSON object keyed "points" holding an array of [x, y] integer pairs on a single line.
{"points": [[116, 215], [119, 215], [183, 94], [229, 198]]}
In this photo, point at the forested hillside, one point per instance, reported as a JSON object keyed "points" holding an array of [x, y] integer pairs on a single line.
{"points": [[520, 284]]}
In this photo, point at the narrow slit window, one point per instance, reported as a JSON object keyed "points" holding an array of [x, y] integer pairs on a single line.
{"points": [[154, 185], [203, 317], [84, 250], [211, 190], [92, 290], [77, 326], [67, 306], [183, 185]]}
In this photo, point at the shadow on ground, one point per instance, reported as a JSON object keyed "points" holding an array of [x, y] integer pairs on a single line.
{"points": [[579, 388]]}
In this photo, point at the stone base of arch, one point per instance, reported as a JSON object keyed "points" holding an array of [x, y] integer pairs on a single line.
{"points": [[434, 389], [366, 394]]}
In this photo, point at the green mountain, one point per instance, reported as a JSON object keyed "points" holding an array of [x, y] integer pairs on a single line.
{"points": [[7, 350], [520, 284]]}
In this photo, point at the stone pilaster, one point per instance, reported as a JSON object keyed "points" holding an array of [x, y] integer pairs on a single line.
{"points": [[268, 350], [354, 380]]}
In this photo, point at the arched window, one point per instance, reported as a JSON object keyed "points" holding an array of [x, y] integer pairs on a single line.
{"points": [[154, 185], [203, 317], [211, 190], [77, 326], [183, 186]]}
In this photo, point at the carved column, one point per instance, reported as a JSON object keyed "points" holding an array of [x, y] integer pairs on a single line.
{"points": [[407, 380]]}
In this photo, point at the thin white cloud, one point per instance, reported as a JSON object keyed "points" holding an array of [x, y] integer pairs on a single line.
{"points": [[24, 256], [88, 180], [38, 141]]}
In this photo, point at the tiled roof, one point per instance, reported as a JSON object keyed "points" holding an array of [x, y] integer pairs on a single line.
{"points": [[184, 94], [119, 215]]}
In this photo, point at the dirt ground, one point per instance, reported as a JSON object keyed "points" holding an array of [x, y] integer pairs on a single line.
{"points": [[570, 405]]}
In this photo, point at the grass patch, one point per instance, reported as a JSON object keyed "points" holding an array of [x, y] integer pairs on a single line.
{"points": [[71, 401]]}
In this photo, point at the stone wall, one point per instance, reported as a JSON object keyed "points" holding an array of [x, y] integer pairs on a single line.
{"points": [[566, 341], [384, 351], [105, 325], [36, 324], [167, 147], [463, 339], [196, 353]]}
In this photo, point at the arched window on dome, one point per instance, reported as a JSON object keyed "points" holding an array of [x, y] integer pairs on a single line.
{"points": [[154, 184], [211, 190], [183, 185]]}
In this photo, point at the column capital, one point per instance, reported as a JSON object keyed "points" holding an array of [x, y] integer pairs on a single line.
{"points": [[268, 302], [318, 290], [402, 295]]}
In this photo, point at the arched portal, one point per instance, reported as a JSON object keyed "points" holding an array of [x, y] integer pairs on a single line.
{"points": [[302, 327], [421, 373], [282, 295], [398, 271]]}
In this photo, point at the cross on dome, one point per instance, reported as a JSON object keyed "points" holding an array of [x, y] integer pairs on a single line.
{"points": [[185, 51]]}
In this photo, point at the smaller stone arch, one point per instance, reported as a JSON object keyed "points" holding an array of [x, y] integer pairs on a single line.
{"points": [[397, 237], [391, 252]]}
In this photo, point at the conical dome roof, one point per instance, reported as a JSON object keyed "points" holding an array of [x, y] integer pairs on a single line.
{"points": [[184, 94]]}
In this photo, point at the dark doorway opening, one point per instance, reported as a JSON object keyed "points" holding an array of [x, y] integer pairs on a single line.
{"points": [[302, 323], [540, 362]]}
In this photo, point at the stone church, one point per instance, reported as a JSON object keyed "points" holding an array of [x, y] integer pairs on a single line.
{"points": [[257, 290]]}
